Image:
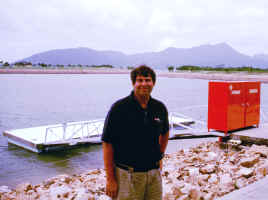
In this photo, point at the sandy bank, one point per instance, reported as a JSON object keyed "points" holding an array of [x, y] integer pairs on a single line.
{"points": [[189, 75], [207, 171], [64, 71], [218, 76]]}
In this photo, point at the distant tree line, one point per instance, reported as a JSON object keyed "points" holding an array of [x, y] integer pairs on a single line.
{"points": [[44, 65], [23, 63], [221, 69]]}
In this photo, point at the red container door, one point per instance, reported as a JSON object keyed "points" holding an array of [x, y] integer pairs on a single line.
{"points": [[252, 112], [236, 106], [217, 106]]}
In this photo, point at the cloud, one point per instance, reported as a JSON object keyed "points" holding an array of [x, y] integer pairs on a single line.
{"points": [[32, 26]]}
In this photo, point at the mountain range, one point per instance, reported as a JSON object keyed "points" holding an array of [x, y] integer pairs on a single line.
{"points": [[218, 55]]}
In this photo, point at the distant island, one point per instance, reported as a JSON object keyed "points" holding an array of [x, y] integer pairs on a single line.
{"points": [[219, 55], [43, 68], [190, 72]]}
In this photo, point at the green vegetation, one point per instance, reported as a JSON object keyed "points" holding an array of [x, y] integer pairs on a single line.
{"points": [[102, 66], [6, 64], [42, 64], [130, 67], [21, 64], [220, 69], [171, 68]]}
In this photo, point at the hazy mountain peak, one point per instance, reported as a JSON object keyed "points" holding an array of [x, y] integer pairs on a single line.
{"points": [[218, 45], [203, 55], [170, 49], [263, 57]]}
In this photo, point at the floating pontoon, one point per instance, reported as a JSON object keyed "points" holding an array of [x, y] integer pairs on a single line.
{"points": [[52, 137]]}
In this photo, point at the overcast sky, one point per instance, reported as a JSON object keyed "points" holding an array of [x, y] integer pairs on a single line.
{"points": [[131, 26]]}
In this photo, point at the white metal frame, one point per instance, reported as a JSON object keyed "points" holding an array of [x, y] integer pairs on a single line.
{"points": [[76, 131], [79, 131]]}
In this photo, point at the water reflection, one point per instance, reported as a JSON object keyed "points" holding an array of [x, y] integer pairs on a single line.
{"points": [[41, 166]]}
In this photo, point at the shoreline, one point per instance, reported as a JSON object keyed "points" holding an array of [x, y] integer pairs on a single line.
{"points": [[207, 171], [64, 71], [233, 76]]}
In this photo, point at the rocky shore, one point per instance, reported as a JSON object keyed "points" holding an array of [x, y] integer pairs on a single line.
{"points": [[207, 171]]}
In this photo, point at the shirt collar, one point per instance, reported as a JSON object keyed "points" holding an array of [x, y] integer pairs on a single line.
{"points": [[132, 97]]}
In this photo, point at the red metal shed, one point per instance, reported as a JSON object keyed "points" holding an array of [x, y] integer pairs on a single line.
{"points": [[233, 105]]}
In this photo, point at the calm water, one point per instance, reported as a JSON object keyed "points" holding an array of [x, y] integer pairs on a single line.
{"points": [[35, 100]]}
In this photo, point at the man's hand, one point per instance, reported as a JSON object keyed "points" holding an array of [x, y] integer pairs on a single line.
{"points": [[108, 157], [111, 188], [161, 164]]}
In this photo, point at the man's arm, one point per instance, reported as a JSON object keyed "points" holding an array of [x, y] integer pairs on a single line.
{"points": [[109, 166], [163, 141]]}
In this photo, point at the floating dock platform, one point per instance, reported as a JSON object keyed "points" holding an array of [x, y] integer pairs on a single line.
{"points": [[59, 136], [52, 137]]}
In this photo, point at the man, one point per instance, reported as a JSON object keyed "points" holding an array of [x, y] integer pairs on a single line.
{"points": [[135, 137]]}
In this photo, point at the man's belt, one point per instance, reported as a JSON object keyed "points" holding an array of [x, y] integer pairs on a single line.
{"points": [[138, 169]]}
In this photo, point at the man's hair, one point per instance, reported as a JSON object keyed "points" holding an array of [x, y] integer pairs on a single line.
{"points": [[142, 70]]}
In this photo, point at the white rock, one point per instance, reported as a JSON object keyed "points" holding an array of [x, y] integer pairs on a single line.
{"points": [[103, 197], [226, 180], [203, 178], [176, 192], [245, 172], [208, 169], [187, 187], [83, 194], [193, 171], [209, 196], [249, 161], [204, 172], [263, 168], [234, 159], [4, 189], [195, 194], [60, 192], [211, 156], [24, 187], [259, 149], [241, 182], [213, 179]]}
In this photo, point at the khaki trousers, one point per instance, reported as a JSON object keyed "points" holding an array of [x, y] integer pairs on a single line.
{"points": [[139, 185]]}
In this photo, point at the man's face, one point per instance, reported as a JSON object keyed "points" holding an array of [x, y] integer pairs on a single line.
{"points": [[143, 85]]}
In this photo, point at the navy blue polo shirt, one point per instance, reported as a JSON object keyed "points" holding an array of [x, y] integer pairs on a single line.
{"points": [[134, 132]]}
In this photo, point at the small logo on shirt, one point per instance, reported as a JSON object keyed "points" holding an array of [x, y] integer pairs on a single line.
{"points": [[157, 119]]}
